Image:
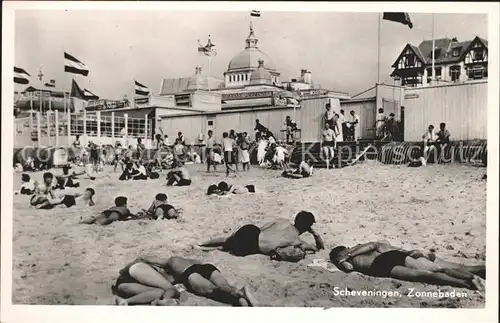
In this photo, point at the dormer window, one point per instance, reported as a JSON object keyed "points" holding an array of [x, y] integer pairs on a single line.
{"points": [[456, 52]]}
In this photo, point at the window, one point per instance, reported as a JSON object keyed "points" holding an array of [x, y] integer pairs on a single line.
{"points": [[477, 55], [477, 73], [210, 122], [455, 73], [456, 52], [438, 71]]}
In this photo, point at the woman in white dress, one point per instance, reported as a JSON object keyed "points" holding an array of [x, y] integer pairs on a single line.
{"points": [[261, 151], [340, 135]]}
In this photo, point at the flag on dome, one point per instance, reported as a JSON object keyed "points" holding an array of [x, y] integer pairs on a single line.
{"points": [[255, 13], [21, 76]]}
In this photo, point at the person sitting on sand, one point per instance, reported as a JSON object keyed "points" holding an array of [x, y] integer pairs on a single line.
{"points": [[160, 209], [305, 169], [226, 189], [270, 238], [140, 172], [119, 212], [128, 172], [28, 186], [49, 201], [151, 280], [67, 179], [179, 175], [381, 259]]}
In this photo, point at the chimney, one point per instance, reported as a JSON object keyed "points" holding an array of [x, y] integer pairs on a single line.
{"points": [[307, 77]]}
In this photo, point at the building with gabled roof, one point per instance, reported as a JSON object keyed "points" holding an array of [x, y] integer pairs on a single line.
{"points": [[454, 61]]}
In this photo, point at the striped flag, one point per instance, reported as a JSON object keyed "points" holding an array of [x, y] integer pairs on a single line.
{"points": [[89, 95], [141, 89], [21, 76], [73, 65], [401, 17], [255, 13]]}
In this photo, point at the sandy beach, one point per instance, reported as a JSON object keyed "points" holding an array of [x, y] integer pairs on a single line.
{"points": [[443, 207]]}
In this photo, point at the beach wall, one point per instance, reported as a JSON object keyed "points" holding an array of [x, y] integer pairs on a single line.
{"points": [[463, 107]]}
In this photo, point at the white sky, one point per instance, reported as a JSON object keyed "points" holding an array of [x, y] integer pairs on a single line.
{"points": [[340, 49]]}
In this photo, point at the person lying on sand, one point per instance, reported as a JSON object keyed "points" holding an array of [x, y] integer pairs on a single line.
{"points": [[160, 209], [305, 170], [381, 259], [49, 201], [119, 212], [269, 238], [214, 190], [226, 189], [151, 280], [179, 175], [280, 157]]}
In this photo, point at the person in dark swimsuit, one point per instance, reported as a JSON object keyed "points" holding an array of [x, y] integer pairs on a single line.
{"points": [[67, 179], [160, 209], [46, 202], [225, 189], [119, 212], [128, 172], [179, 175], [250, 239], [28, 186], [151, 280], [381, 259]]}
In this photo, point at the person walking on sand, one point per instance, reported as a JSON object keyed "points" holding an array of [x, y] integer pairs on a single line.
{"points": [[227, 146], [381, 259], [151, 280], [270, 238], [328, 144], [209, 152], [244, 145]]}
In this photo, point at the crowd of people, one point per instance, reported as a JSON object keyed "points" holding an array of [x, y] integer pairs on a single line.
{"points": [[150, 280]]}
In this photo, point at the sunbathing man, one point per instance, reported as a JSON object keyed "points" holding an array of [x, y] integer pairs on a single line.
{"points": [[179, 175], [225, 189], [305, 170], [119, 212], [48, 201], [381, 259], [160, 209], [151, 280], [270, 238]]}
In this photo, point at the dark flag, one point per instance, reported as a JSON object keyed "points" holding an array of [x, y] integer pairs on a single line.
{"points": [[77, 92], [21, 76], [73, 65], [52, 83], [255, 13], [89, 95], [401, 17]]}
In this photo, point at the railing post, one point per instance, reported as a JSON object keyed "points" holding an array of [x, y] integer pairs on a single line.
{"points": [[68, 129], [98, 115], [38, 128], [145, 128], [125, 138], [85, 127], [47, 115], [113, 127], [56, 116]]}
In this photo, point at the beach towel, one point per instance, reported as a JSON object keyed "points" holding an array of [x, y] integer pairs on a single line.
{"points": [[323, 263]]}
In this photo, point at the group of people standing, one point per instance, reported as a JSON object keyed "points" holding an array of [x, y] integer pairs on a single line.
{"points": [[344, 129]]}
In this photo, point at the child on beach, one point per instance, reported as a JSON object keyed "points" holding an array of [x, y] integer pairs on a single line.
{"points": [[28, 186], [227, 146], [244, 145]]}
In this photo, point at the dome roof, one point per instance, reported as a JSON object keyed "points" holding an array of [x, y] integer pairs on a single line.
{"points": [[249, 59], [261, 75]]}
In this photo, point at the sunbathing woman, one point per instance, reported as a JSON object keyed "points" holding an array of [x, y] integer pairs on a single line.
{"points": [[225, 189], [160, 209], [151, 280]]}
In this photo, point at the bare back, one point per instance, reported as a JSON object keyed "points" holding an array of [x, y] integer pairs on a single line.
{"points": [[279, 233]]}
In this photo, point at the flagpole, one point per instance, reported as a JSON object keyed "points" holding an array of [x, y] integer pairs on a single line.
{"points": [[433, 52], [209, 60], [378, 57]]}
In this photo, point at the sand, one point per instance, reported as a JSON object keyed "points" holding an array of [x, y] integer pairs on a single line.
{"points": [[57, 261]]}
